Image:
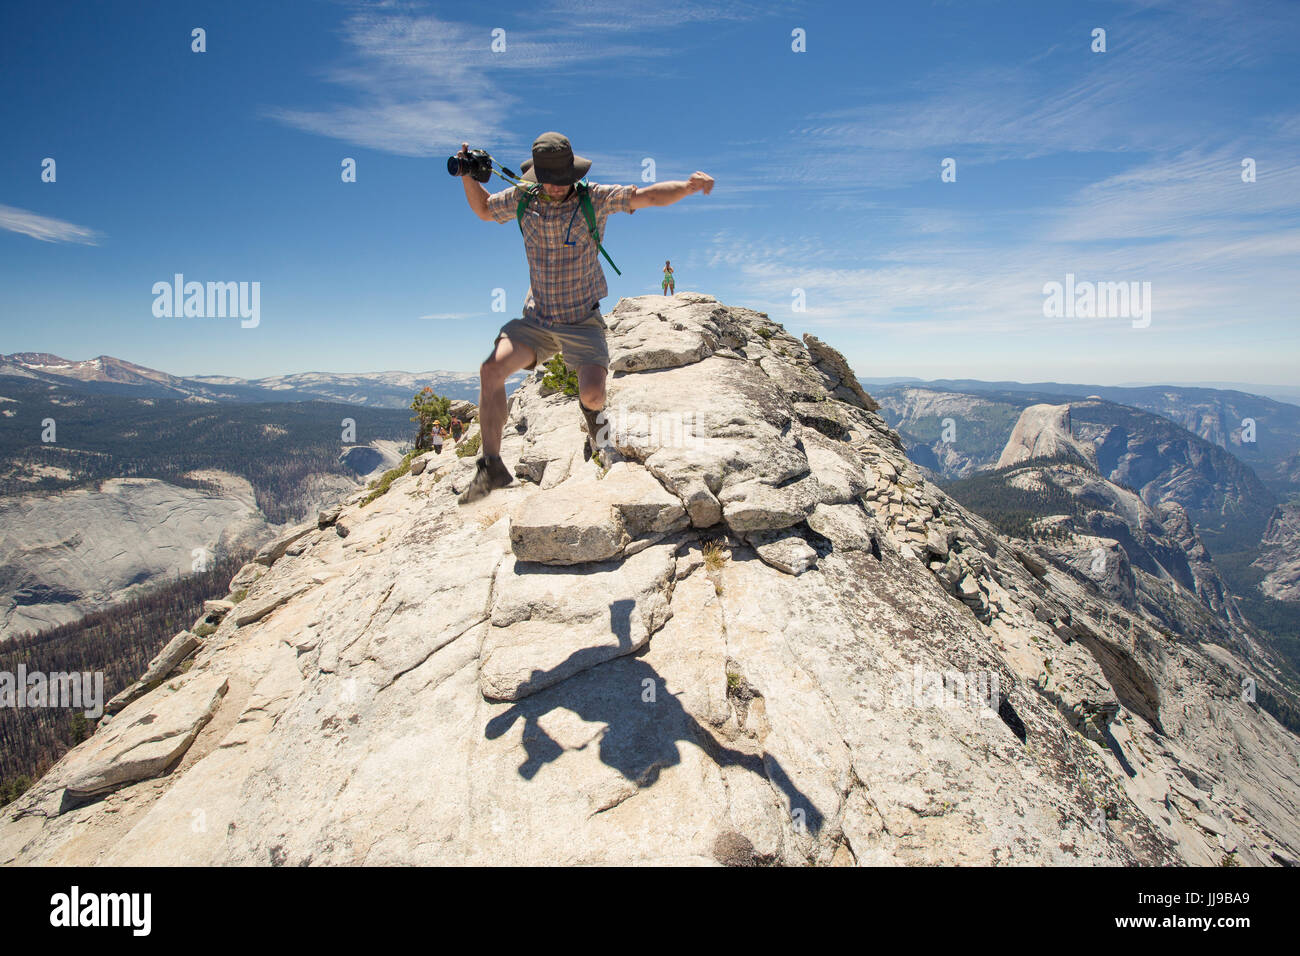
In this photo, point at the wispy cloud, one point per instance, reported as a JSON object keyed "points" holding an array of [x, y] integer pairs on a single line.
{"points": [[620, 16], [1191, 193], [968, 286], [414, 82], [45, 228], [1218, 251], [1061, 101]]}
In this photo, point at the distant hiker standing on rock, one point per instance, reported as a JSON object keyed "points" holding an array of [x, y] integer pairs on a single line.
{"points": [[436, 435], [562, 309], [670, 287]]}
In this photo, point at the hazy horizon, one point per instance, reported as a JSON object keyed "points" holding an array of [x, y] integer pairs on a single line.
{"points": [[881, 380]]}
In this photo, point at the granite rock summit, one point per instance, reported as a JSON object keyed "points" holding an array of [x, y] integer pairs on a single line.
{"points": [[747, 632]]}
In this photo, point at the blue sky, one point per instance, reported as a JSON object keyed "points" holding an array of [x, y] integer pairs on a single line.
{"points": [[225, 166]]}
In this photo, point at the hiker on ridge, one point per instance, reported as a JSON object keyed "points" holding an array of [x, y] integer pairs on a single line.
{"points": [[561, 312], [670, 288]]}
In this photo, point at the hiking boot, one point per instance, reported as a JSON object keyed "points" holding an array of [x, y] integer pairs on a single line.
{"points": [[594, 421], [489, 473]]}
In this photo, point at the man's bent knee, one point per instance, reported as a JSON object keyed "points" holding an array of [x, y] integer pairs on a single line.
{"points": [[591, 390], [507, 358]]}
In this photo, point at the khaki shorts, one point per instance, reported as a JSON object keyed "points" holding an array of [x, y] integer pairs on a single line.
{"points": [[581, 343]]}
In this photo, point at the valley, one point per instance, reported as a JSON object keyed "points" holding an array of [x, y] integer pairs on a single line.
{"points": [[104, 494]]}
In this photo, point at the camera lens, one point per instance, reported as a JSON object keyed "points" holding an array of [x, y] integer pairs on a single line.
{"points": [[455, 166]]}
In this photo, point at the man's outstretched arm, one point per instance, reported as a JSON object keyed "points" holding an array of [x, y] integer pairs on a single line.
{"points": [[475, 194], [667, 193]]}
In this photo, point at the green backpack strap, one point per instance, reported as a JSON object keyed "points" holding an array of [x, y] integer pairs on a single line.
{"points": [[584, 199], [588, 213], [527, 197]]}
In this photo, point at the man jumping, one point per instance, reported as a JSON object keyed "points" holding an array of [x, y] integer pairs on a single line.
{"points": [[562, 309]]}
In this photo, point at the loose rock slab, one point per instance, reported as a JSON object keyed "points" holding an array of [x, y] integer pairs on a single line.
{"points": [[787, 552], [589, 519], [569, 524], [143, 740]]}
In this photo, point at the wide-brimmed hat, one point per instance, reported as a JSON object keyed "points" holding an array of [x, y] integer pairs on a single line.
{"points": [[554, 162]]}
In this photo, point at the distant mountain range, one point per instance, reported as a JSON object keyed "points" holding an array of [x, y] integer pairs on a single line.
{"points": [[1268, 441], [1135, 506], [1153, 471], [1282, 393], [109, 375]]}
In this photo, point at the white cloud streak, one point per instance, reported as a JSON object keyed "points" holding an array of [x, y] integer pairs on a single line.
{"points": [[417, 82], [45, 228]]}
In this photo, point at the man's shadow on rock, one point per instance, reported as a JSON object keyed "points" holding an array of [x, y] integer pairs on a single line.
{"points": [[643, 723]]}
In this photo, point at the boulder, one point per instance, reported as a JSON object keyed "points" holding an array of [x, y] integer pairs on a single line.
{"points": [[842, 476], [567, 525], [276, 549], [246, 576], [590, 519], [847, 527], [786, 551], [741, 431], [650, 340], [756, 505], [160, 668], [145, 739], [256, 608], [646, 507], [218, 609], [938, 542], [465, 410], [1032, 562]]}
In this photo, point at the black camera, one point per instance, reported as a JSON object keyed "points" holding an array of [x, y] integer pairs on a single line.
{"points": [[476, 163]]}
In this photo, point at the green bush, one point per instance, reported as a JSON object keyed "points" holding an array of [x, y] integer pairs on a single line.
{"points": [[559, 376], [80, 728], [390, 476], [469, 446], [13, 788]]}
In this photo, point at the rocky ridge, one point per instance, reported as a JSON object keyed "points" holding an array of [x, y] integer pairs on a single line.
{"points": [[748, 632], [1279, 561]]}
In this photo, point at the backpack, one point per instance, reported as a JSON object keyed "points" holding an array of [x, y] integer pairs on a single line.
{"points": [[584, 201]]}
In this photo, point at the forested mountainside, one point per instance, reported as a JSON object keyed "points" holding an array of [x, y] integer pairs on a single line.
{"points": [[118, 641], [281, 449]]}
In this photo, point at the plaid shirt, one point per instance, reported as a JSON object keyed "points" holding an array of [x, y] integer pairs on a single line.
{"points": [[564, 274]]}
